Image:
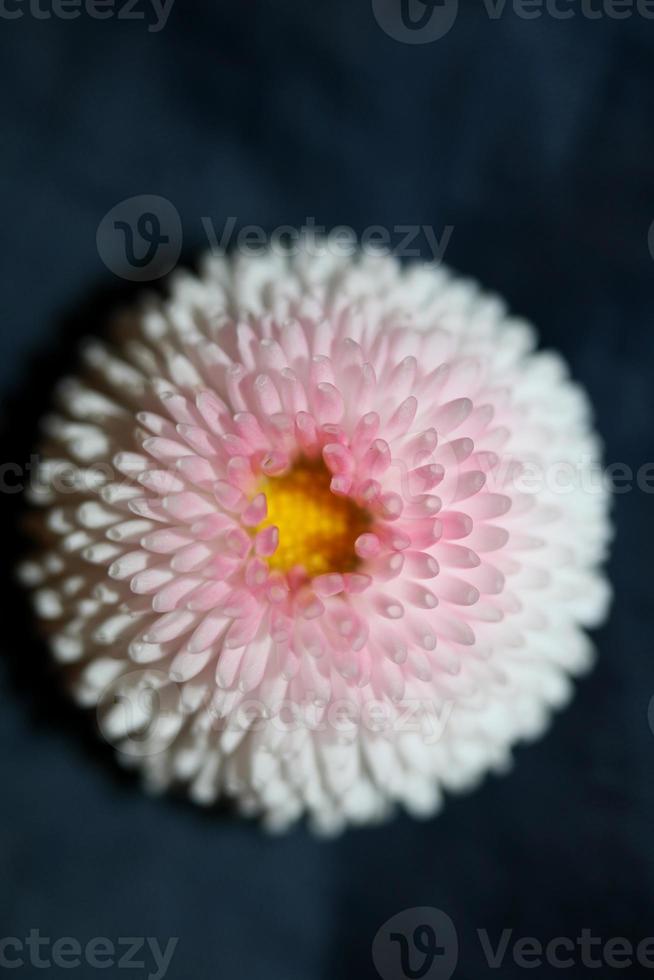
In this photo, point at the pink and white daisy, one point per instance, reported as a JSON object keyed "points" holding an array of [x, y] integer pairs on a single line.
{"points": [[308, 502]]}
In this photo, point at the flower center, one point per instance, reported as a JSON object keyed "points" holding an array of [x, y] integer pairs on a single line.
{"points": [[317, 528]]}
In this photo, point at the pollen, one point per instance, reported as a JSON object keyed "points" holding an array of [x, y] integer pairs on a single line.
{"points": [[317, 528]]}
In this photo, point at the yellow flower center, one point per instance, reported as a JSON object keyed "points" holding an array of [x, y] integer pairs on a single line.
{"points": [[317, 528]]}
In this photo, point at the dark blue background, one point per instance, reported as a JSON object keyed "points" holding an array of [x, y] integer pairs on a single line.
{"points": [[535, 140]]}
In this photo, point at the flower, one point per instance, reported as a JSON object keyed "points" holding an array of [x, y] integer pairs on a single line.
{"points": [[309, 546]]}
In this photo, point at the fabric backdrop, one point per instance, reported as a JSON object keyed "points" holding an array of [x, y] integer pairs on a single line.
{"points": [[532, 140]]}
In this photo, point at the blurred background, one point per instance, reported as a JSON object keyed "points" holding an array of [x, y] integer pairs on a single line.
{"points": [[525, 145]]}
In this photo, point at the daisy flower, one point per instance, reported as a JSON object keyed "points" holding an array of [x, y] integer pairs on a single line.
{"points": [[320, 534]]}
